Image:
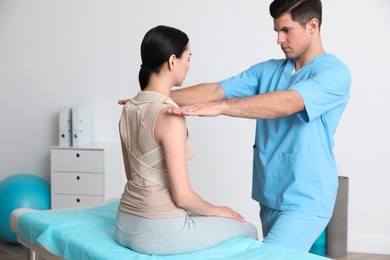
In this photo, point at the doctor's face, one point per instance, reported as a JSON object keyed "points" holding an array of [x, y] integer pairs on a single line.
{"points": [[293, 39]]}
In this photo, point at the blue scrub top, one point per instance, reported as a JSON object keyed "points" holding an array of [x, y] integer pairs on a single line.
{"points": [[294, 166]]}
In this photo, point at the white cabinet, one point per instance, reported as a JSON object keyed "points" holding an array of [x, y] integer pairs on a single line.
{"points": [[85, 175]]}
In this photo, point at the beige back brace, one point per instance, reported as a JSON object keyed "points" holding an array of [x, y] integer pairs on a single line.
{"points": [[140, 163]]}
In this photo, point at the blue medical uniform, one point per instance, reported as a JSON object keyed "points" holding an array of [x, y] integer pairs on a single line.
{"points": [[294, 168]]}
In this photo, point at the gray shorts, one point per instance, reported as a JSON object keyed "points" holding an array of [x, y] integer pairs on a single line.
{"points": [[177, 235]]}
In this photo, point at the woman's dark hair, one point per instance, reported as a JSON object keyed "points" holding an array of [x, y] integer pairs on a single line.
{"points": [[301, 11], [157, 46]]}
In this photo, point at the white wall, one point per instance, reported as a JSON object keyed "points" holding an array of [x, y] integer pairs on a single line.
{"points": [[67, 53]]}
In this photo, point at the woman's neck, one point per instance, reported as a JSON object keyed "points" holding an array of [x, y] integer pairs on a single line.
{"points": [[159, 85]]}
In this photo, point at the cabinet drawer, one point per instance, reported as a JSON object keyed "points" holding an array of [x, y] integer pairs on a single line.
{"points": [[74, 160], [70, 201], [77, 183]]}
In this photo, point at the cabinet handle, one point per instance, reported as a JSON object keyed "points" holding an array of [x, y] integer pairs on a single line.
{"points": [[78, 200], [77, 155], [78, 177]]}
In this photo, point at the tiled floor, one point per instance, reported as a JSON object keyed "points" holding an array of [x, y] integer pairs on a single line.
{"points": [[18, 252], [360, 256], [12, 252]]}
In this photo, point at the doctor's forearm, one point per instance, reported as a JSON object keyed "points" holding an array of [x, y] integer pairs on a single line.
{"points": [[201, 93], [269, 105]]}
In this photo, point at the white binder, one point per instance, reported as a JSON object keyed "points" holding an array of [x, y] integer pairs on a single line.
{"points": [[65, 126], [81, 126]]}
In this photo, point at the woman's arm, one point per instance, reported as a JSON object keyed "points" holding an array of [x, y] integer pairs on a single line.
{"points": [[170, 131]]}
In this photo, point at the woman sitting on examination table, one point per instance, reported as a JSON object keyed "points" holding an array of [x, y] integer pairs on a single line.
{"points": [[159, 213]]}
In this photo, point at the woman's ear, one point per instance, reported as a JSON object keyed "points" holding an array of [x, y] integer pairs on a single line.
{"points": [[171, 61]]}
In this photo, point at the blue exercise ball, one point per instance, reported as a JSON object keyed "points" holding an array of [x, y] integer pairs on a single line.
{"points": [[21, 191]]}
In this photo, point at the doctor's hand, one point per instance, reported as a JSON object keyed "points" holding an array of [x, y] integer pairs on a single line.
{"points": [[123, 101], [210, 109]]}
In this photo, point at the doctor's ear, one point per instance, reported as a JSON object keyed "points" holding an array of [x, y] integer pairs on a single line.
{"points": [[314, 25], [171, 61]]}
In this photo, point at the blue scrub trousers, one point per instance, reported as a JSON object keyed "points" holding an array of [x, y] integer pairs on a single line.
{"points": [[291, 229]]}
